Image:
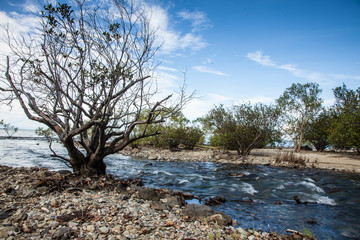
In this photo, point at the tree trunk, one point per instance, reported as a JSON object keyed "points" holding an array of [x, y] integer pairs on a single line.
{"points": [[85, 165], [88, 168], [301, 137]]}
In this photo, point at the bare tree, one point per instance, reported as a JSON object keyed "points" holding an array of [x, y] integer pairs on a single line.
{"points": [[86, 73]]}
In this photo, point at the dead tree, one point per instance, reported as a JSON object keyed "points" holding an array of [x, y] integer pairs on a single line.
{"points": [[86, 73]]}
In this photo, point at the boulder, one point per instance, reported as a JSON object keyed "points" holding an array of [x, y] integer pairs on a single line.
{"points": [[152, 157], [148, 194], [195, 211], [156, 205], [172, 201], [63, 233], [218, 200]]}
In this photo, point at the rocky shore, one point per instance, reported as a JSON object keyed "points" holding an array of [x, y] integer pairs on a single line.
{"points": [[40, 204], [346, 162]]}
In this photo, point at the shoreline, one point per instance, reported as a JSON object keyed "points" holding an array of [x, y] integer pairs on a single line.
{"points": [[333, 161], [37, 203]]}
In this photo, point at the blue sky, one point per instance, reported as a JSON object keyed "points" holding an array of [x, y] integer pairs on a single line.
{"points": [[245, 50]]}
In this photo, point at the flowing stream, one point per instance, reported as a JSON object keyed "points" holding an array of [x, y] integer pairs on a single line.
{"points": [[336, 215]]}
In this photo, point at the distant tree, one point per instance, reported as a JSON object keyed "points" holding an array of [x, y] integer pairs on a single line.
{"points": [[299, 104], [85, 73], [345, 128], [8, 128], [243, 127], [175, 131], [318, 130]]}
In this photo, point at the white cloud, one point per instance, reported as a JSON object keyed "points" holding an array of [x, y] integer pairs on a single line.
{"points": [[199, 20], [211, 71], [171, 39], [260, 58], [162, 68], [264, 60]]}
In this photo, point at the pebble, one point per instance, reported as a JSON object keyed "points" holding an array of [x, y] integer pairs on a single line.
{"points": [[103, 213]]}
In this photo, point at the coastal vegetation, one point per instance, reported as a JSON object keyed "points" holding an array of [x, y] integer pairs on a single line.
{"points": [[8, 128]]}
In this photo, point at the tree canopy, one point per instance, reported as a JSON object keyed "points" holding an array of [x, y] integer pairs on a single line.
{"points": [[299, 104], [345, 127], [242, 127]]}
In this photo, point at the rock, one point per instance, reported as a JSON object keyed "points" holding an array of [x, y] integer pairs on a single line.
{"points": [[54, 203], [221, 219], [148, 194], [42, 189], [218, 200], [54, 224], [197, 211], [72, 224], [311, 221], [135, 151], [63, 233], [152, 157], [3, 215], [181, 146], [104, 230], [90, 228], [64, 172], [4, 231], [19, 216], [173, 201], [117, 229], [156, 205]]}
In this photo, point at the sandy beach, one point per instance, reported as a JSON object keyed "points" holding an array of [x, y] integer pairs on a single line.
{"points": [[338, 161]]}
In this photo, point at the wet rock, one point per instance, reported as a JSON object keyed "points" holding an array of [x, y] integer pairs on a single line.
{"points": [[311, 221], [218, 200]]}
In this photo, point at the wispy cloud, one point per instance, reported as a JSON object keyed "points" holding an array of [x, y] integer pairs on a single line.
{"points": [[199, 20], [169, 69], [173, 40], [211, 71], [264, 60]]}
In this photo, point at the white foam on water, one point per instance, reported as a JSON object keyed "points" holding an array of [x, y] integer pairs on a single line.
{"points": [[248, 188], [324, 200], [312, 186], [280, 187], [156, 172], [309, 180], [183, 181], [247, 173]]}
